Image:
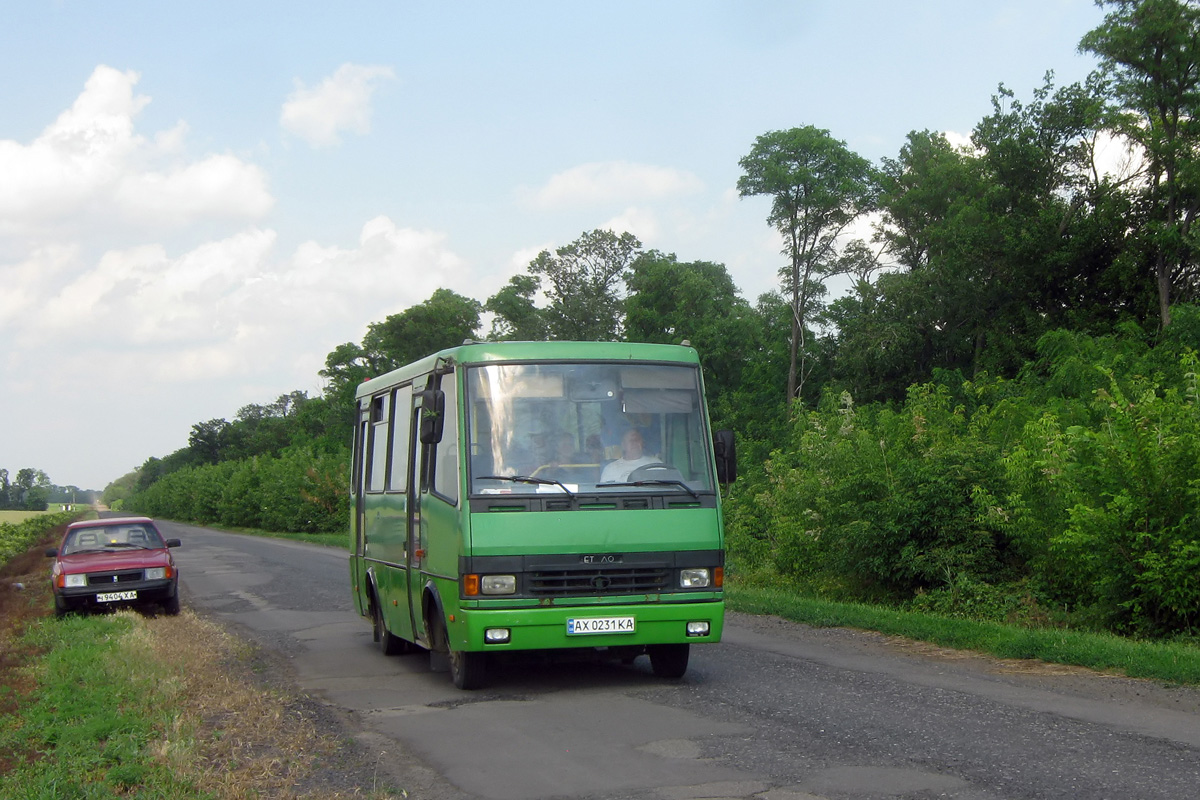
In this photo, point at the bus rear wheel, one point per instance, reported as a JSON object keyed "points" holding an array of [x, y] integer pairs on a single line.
{"points": [[668, 660]]}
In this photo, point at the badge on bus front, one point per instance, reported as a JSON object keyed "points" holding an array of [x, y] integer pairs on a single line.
{"points": [[603, 558]]}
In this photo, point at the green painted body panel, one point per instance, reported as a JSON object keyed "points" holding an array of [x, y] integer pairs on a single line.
{"points": [[598, 531]]}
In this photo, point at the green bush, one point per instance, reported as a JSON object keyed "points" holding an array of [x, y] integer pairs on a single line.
{"points": [[19, 537], [1072, 494], [302, 490]]}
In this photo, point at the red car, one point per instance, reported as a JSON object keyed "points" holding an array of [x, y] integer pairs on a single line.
{"points": [[108, 563]]}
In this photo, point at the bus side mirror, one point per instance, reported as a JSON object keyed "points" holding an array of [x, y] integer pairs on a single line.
{"points": [[725, 450], [433, 415]]}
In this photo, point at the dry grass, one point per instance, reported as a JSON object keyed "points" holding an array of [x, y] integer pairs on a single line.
{"points": [[237, 737]]}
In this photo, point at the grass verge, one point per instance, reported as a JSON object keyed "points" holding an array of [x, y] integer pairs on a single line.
{"points": [[1162, 661], [128, 706], [157, 708]]}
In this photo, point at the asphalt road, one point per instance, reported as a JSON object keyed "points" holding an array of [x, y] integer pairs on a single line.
{"points": [[777, 711]]}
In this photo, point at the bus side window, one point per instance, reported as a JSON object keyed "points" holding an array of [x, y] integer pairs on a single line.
{"points": [[445, 470], [380, 415], [401, 439]]}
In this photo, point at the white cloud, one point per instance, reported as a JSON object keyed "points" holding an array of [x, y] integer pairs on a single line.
{"points": [[961, 141], [219, 187], [341, 102], [28, 281], [1117, 157], [89, 170], [229, 308], [641, 222], [140, 297], [613, 181]]}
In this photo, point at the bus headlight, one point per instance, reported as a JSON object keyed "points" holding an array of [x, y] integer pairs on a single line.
{"points": [[698, 628], [696, 578], [498, 584]]}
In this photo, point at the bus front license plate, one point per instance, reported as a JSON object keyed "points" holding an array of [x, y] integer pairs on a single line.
{"points": [[113, 597], [600, 625]]}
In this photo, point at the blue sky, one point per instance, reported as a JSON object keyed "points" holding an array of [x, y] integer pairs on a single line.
{"points": [[199, 201]]}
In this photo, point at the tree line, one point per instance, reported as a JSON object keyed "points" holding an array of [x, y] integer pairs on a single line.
{"points": [[999, 419], [31, 490]]}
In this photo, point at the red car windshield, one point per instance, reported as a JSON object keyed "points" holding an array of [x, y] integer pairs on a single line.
{"points": [[112, 537]]}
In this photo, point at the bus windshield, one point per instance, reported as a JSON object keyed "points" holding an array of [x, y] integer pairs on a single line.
{"points": [[587, 427]]}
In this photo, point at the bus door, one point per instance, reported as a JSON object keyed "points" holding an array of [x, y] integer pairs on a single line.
{"points": [[357, 577], [436, 473], [418, 490]]}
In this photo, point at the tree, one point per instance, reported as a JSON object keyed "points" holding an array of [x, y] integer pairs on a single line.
{"points": [[819, 187], [208, 441], [345, 368], [516, 316], [918, 191], [1151, 51], [444, 320], [30, 489], [988, 248], [584, 285]]}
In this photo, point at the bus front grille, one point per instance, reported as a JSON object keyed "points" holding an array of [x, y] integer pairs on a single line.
{"points": [[609, 580]]}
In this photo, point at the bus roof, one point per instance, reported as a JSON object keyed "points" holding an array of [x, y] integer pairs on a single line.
{"points": [[487, 352]]}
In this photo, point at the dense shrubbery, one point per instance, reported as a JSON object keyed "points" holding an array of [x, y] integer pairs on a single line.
{"points": [[301, 490], [1071, 492]]}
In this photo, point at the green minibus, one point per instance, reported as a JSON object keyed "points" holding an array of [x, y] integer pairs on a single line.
{"points": [[513, 496]]}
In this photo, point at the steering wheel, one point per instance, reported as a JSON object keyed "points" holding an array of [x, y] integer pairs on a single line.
{"points": [[656, 471]]}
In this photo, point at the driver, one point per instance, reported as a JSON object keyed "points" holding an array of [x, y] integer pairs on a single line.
{"points": [[631, 458]]}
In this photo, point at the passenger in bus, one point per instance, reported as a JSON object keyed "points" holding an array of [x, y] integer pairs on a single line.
{"points": [[632, 457]]}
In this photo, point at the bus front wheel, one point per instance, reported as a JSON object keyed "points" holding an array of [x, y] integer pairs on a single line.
{"points": [[668, 660], [468, 669]]}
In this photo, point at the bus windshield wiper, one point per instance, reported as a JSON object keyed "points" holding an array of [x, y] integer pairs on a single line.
{"points": [[527, 479], [656, 482]]}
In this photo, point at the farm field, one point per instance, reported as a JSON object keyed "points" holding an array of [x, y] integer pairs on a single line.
{"points": [[17, 517]]}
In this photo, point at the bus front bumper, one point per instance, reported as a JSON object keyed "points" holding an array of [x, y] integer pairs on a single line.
{"points": [[496, 629]]}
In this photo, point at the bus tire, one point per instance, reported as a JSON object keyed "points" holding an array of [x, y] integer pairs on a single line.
{"points": [[468, 669], [389, 643], [668, 660]]}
